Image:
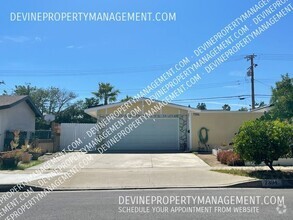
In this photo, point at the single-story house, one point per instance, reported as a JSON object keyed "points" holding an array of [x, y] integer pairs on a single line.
{"points": [[17, 113], [167, 127]]}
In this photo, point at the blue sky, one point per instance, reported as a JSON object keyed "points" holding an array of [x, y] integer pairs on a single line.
{"points": [[76, 56]]}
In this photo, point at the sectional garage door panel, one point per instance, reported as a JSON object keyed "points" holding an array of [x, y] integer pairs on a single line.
{"points": [[71, 132], [158, 134]]}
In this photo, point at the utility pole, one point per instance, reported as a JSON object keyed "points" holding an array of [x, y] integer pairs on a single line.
{"points": [[250, 72]]}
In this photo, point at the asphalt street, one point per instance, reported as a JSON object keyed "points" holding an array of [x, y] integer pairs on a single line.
{"points": [[216, 203]]}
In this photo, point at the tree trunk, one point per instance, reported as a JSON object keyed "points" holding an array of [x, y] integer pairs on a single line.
{"points": [[106, 100], [270, 165]]}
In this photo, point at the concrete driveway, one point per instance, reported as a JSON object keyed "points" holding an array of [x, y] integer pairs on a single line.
{"points": [[121, 171], [126, 161], [137, 161]]}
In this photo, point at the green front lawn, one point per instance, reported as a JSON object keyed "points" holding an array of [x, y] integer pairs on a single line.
{"points": [[259, 174]]}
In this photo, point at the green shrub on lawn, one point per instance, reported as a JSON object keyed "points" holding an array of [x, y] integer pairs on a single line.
{"points": [[263, 141]]}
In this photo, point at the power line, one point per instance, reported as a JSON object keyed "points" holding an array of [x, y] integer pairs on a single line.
{"points": [[262, 83], [276, 57], [124, 70], [222, 97]]}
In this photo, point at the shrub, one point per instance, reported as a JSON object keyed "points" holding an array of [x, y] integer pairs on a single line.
{"points": [[234, 160], [10, 158], [16, 154], [263, 141], [12, 154], [230, 158], [219, 155], [26, 157], [8, 155], [223, 156]]}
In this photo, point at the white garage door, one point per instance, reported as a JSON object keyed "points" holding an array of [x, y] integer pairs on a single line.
{"points": [[158, 134], [71, 133]]}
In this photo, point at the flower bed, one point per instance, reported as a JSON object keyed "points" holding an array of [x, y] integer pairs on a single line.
{"points": [[10, 159], [17, 159]]}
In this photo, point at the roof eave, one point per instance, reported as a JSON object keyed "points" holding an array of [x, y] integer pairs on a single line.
{"points": [[33, 107], [93, 111]]}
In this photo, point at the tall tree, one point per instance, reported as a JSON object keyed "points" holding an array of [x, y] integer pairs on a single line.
{"points": [[51, 100], [201, 106], [282, 99], [106, 93], [24, 89], [58, 99], [75, 112], [226, 107], [243, 109], [91, 102], [127, 98], [38, 95]]}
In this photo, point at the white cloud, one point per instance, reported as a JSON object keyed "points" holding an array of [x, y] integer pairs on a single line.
{"points": [[38, 39], [74, 47], [20, 39], [231, 87], [16, 39]]}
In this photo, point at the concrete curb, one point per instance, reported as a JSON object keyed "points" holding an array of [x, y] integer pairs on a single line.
{"points": [[286, 184], [7, 187]]}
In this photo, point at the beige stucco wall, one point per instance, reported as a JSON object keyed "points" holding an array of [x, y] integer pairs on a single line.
{"points": [[144, 106], [222, 126], [19, 117]]}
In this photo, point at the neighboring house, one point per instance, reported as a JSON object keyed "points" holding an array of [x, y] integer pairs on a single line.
{"points": [[16, 113], [172, 128]]}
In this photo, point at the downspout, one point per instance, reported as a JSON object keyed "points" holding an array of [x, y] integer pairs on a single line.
{"points": [[190, 130]]}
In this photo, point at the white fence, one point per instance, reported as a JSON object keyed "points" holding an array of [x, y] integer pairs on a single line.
{"points": [[74, 136]]}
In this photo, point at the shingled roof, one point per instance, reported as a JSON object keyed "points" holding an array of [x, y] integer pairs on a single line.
{"points": [[7, 101]]}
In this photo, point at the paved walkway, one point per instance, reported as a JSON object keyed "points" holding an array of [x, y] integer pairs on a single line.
{"points": [[149, 178], [9, 178]]}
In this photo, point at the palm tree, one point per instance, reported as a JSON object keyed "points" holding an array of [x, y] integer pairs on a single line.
{"points": [[127, 98], [107, 93], [201, 106]]}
